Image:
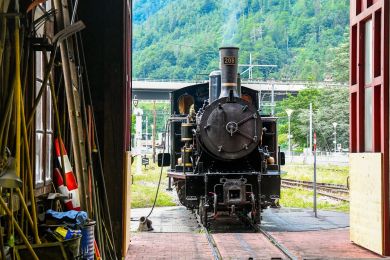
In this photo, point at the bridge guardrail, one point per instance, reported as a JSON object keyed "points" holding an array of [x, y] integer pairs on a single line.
{"points": [[254, 81]]}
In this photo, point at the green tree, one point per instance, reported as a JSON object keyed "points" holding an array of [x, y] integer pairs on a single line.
{"points": [[179, 39], [338, 62], [330, 105]]}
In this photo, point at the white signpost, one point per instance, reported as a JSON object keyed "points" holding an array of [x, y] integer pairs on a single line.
{"points": [[138, 136]]}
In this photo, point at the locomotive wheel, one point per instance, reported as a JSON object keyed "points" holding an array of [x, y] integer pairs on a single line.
{"points": [[256, 218], [180, 189], [256, 214]]}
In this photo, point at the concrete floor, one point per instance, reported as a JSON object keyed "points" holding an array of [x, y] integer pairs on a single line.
{"points": [[292, 220], [179, 219], [167, 219], [176, 235]]}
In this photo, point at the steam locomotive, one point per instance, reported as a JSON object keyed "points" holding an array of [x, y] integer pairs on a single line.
{"points": [[224, 154]]}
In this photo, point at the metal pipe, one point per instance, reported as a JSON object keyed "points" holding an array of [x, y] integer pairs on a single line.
{"points": [[5, 121], [4, 9], [17, 87], [30, 175], [214, 85], [25, 207], [2, 251], [239, 84]]}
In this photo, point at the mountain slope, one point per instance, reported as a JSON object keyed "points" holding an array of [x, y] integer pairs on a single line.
{"points": [[179, 39]]}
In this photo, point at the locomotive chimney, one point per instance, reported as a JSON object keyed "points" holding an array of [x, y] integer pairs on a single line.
{"points": [[229, 66]]}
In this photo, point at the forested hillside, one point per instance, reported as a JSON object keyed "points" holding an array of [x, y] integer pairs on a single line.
{"points": [[179, 39]]}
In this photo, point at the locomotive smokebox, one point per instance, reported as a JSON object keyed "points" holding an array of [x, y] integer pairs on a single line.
{"points": [[229, 67]]}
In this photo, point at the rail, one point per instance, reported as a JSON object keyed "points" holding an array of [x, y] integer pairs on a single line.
{"points": [[281, 247], [256, 228], [334, 191]]}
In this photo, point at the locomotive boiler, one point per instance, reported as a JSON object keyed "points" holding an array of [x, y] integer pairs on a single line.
{"points": [[224, 154]]}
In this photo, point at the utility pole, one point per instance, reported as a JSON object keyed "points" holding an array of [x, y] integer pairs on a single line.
{"points": [[335, 137], [315, 176], [250, 68], [289, 112], [273, 99], [287, 40], [311, 127], [146, 134], [154, 132], [138, 137]]}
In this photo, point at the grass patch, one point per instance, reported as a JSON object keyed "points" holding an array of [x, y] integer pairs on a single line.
{"points": [[325, 173], [143, 189], [143, 197], [299, 198], [144, 186]]}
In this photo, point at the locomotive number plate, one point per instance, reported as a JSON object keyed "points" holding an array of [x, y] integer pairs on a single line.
{"points": [[229, 60]]}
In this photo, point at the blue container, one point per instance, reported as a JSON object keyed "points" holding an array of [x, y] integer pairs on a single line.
{"points": [[87, 241]]}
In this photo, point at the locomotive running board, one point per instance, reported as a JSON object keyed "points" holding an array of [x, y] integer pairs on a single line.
{"points": [[176, 175]]}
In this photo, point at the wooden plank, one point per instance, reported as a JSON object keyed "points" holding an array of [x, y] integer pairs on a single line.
{"points": [[366, 221], [127, 203]]}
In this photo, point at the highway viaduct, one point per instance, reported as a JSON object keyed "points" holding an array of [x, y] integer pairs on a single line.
{"points": [[149, 89]]}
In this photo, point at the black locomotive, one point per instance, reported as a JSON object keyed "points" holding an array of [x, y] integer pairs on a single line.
{"points": [[224, 155]]}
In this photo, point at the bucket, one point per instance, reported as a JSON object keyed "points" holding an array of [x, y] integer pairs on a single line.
{"points": [[87, 241], [72, 247]]}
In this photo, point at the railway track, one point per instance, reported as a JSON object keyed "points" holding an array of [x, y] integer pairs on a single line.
{"points": [[256, 229], [334, 191], [213, 245], [284, 250]]}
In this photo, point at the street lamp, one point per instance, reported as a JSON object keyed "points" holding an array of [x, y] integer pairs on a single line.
{"points": [[135, 101], [335, 137], [289, 112]]}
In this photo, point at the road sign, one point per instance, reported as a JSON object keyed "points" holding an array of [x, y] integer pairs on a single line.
{"points": [[145, 161]]}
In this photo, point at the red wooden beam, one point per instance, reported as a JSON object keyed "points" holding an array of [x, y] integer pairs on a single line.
{"points": [[365, 13], [385, 124], [360, 93]]}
